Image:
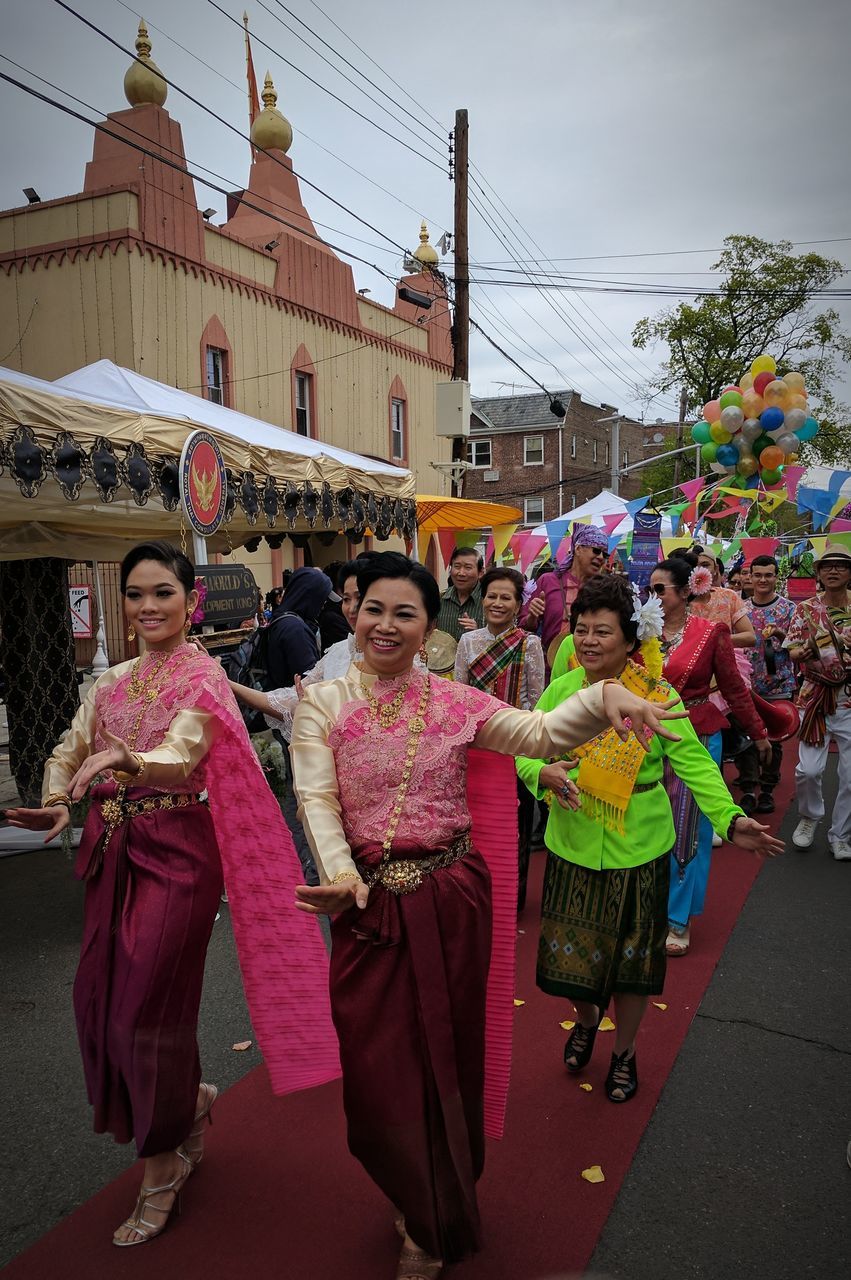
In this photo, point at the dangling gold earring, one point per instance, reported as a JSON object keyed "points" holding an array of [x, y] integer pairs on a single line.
{"points": [[187, 626], [423, 654], [131, 634]]}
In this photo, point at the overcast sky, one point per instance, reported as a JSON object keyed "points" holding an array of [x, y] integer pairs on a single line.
{"points": [[610, 129]]}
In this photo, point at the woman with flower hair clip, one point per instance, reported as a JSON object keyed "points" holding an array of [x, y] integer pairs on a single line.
{"points": [[695, 651], [605, 905]]}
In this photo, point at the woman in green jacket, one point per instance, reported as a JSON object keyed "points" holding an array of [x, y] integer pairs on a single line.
{"points": [[605, 907]]}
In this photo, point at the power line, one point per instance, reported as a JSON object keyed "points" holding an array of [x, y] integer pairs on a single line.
{"points": [[658, 253], [295, 67]]}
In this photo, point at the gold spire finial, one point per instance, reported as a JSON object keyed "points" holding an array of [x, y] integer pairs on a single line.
{"points": [[425, 253], [144, 82], [271, 130]]}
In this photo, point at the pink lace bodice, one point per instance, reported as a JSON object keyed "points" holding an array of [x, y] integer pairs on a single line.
{"points": [[369, 762], [184, 678]]}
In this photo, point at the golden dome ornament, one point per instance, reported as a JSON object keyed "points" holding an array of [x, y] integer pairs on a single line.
{"points": [[425, 253], [143, 82], [271, 131]]}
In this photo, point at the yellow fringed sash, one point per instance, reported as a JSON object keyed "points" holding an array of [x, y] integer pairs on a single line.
{"points": [[609, 767]]}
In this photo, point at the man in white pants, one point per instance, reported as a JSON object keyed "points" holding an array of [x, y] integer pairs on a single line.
{"points": [[819, 640]]}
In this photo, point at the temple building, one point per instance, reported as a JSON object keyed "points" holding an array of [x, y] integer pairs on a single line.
{"points": [[258, 314]]}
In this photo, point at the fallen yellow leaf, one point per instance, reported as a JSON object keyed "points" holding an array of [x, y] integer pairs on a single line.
{"points": [[607, 1025], [241, 1045], [586, 1087], [567, 1025], [594, 1174], [518, 1003], [659, 1005]]}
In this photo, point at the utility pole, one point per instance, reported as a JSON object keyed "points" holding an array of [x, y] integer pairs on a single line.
{"points": [[461, 327], [680, 426]]}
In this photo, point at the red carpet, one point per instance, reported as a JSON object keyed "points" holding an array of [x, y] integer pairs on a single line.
{"points": [[279, 1196]]}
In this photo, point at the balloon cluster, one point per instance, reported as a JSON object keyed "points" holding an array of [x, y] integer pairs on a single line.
{"points": [[754, 429]]}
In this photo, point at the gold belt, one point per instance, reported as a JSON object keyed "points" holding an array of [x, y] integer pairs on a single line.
{"points": [[404, 875], [117, 811]]}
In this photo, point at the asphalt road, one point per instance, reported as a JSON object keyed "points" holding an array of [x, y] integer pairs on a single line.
{"points": [[741, 1172]]}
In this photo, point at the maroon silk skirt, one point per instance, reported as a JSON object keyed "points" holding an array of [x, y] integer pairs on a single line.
{"points": [[408, 984], [151, 901]]}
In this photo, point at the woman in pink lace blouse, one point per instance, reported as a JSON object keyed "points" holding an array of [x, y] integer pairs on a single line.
{"points": [[424, 908]]}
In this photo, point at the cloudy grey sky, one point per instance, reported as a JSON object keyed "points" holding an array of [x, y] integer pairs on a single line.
{"points": [[610, 130]]}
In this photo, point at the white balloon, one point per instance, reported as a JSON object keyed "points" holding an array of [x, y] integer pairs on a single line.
{"points": [[794, 419], [743, 445], [719, 468], [732, 418], [751, 429], [788, 442]]}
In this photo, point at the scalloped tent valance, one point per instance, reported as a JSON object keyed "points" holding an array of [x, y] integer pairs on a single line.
{"points": [[80, 458]]}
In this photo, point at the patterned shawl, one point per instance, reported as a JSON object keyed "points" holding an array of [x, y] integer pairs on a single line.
{"points": [[499, 668]]}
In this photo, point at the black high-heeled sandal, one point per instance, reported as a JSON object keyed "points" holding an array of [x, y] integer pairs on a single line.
{"points": [[580, 1045], [623, 1077]]}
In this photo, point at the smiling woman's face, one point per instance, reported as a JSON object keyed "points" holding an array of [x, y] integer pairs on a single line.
{"points": [[601, 646], [156, 604], [391, 625]]}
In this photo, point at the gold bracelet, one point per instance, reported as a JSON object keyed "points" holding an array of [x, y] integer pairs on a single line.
{"points": [[58, 797], [342, 876], [143, 764], [122, 776]]}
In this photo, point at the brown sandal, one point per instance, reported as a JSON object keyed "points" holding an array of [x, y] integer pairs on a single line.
{"points": [[418, 1266]]}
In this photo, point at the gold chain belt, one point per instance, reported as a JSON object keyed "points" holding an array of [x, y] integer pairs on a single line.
{"points": [[116, 811], [405, 875]]}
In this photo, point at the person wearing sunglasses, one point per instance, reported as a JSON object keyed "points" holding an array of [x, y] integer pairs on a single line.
{"points": [[696, 650]]}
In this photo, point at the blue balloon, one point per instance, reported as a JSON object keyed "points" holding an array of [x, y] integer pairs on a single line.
{"points": [[727, 455], [772, 418], [806, 432]]}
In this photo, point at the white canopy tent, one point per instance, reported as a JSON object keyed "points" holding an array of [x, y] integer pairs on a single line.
{"points": [[82, 456], [593, 511]]}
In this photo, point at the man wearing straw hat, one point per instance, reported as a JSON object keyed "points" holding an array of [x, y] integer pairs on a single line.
{"points": [[819, 640]]}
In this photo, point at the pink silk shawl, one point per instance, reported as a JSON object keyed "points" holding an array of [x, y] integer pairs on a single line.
{"points": [[281, 953]]}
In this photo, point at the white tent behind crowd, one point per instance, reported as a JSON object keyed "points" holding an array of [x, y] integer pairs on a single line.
{"points": [[593, 512]]}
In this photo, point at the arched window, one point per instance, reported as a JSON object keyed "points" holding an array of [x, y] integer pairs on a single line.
{"points": [[217, 368], [305, 421], [398, 422]]}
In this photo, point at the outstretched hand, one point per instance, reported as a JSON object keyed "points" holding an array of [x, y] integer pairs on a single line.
{"points": [[53, 820], [645, 718], [331, 899], [749, 834], [117, 757]]}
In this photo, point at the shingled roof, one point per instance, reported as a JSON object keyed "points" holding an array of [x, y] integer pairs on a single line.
{"points": [[519, 412]]}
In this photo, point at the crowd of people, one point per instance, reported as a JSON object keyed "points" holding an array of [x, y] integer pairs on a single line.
{"points": [[573, 698]]}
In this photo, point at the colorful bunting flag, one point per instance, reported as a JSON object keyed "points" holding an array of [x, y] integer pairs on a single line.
{"points": [[692, 488], [637, 504], [501, 536]]}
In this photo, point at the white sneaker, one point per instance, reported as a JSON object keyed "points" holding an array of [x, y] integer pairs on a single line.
{"points": [[841, 850], [716, 840], [804, 833]]}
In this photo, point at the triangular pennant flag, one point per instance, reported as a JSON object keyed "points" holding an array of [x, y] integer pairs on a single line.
{"points": [[615, 539], [771, 499], [692, 488], [467, 537], [839, 526], [637, 504], [791, 477], [730, 552], [531, 548], [446, 542], [836, 481], [611, 522], [556, 530], [502, 535], [489, 551], [671, 544], [759, 547], [844, 539]]}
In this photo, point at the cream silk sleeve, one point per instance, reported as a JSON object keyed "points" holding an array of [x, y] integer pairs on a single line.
{"points": [[315, 778], [70, 753], [546, 733]]}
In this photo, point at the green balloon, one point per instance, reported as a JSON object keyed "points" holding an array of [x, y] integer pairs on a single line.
{"points": [[731, 398], [701, 433], [762, 442], [769, 476], [709, 451]]}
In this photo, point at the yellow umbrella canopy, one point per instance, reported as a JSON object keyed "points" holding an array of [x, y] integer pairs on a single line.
{"points": [[435, 512]]}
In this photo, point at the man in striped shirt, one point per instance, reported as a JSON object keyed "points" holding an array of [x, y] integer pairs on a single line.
{"points": [[461, 602]]}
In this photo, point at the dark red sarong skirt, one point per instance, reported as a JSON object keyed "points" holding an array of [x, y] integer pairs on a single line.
{"points": [[149, 913], [408, 985]]}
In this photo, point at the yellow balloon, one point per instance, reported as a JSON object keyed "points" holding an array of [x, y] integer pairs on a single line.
{"points": [[764, 364], [752, 404], [776, 393], [789, 459], [746, 382], [796, 401], [720, 434], [794, 381]]}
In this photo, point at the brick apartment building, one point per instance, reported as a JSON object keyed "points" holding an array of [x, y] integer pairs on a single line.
{"points": [[521, 454]]}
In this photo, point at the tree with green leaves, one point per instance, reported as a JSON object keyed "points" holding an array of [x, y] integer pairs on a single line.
{"points": [[769, 300]]}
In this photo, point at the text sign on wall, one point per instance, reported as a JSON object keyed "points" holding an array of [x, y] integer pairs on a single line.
{"points": [[80, 600], [231, 594], [203, 482], [644, 557]]}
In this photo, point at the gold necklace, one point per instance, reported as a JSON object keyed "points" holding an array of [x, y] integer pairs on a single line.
{"points": [[416, 725], [386, 713]]}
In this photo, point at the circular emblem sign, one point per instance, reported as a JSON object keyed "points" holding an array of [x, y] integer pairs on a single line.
{"points": [[203, 483]]}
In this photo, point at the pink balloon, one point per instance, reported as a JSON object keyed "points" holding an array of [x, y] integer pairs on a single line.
{"points": [[712, 410]]}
